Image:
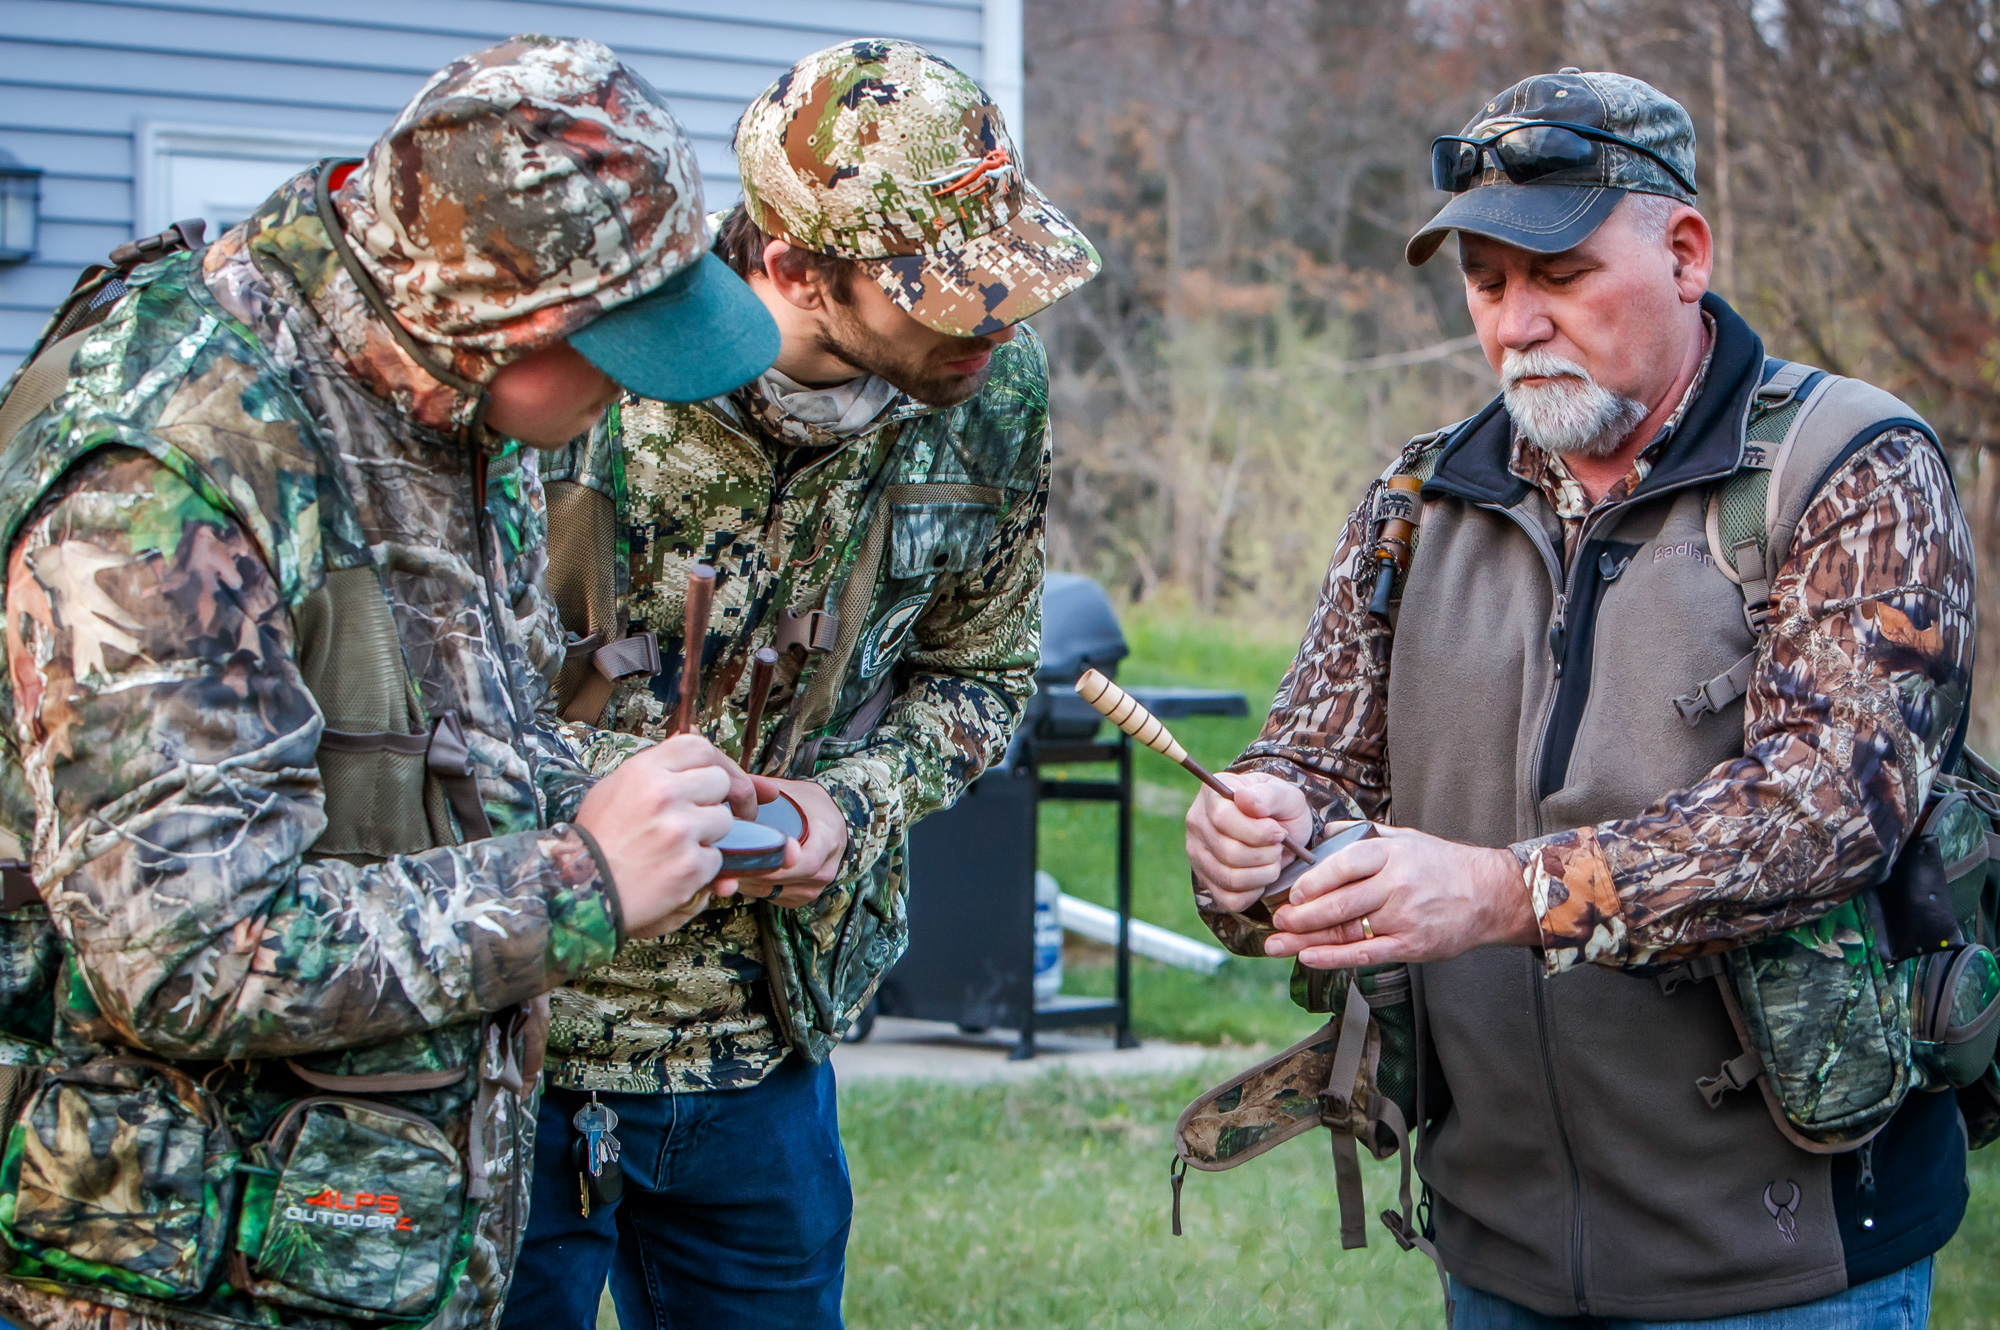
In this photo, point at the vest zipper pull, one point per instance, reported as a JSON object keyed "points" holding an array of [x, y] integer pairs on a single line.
{"points": [[1556, 630]]}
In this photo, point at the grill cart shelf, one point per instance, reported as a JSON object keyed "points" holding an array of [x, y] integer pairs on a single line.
{"points": [[971, 958]]}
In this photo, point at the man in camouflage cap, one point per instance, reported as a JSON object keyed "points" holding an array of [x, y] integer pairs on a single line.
{"points": [[873, 509], [1683, 648], [306, 847]]}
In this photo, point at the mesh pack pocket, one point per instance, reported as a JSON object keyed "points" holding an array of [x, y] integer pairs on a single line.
{"points": [[118, 1174], [353, 1208]]}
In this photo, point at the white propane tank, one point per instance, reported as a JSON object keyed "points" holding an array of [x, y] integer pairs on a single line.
{"points": [[1048, 936]]}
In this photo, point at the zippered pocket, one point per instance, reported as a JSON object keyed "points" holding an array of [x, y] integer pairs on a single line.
{"points": [[119, 1174], [352, 1207]]}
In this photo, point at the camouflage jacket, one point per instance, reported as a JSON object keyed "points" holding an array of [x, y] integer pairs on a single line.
{"points": [[933, 690], [1876, 605], [214, 461]]}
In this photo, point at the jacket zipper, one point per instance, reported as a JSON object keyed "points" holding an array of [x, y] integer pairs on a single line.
{"points": [[1558, 626], [1538, 979], [774, 977], [1540, 539]]}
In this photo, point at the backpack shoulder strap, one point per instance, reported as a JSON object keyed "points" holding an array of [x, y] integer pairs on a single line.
{"points": [[1841, 417], [1802, 422], [42, 381]]}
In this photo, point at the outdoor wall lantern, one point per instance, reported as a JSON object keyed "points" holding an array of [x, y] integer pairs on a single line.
{"points": [[20, 209]]}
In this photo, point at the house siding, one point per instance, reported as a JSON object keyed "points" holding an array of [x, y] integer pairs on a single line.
{"points": [[79, 78]]}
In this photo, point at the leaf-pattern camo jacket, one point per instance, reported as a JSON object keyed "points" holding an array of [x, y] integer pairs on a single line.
{"points": [[953, 628], [1873, 631], [219, 452]]}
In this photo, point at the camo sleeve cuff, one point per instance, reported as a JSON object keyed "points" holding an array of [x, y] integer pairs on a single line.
{"points": [[605, 881], [1575, 898], [869, 821]]}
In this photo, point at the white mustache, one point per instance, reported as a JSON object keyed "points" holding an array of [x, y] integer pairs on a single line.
{"points": [[1538, 364]]}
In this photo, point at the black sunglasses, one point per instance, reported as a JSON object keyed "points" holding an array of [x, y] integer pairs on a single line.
{"points": [[1543, 148]]}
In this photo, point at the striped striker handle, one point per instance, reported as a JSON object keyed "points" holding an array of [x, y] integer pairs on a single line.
{"points": [[1123, 710]]}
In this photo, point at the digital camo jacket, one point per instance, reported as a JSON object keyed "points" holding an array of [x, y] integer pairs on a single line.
{"points": [[1873, 608], [947, 650], [215, 464]]}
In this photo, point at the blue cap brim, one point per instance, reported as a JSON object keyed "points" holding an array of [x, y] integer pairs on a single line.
{"points": [[702, 334], [1544, 219]]}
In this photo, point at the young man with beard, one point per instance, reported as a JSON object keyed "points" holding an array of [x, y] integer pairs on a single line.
{"points": [[1587, 792], [873, 511]]}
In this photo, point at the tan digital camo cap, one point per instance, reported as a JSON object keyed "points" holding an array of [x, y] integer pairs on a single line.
{"points": [[879, 150], [526, 190]]}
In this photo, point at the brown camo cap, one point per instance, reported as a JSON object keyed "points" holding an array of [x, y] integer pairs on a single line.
{"points": [[526, 190], [879, 150]]}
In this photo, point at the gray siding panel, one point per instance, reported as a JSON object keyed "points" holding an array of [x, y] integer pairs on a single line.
{"points": [[420, 47], [78, 78]]}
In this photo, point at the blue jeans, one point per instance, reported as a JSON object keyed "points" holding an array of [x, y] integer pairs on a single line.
{"points": [[735, 1212], [1901, 1301]]}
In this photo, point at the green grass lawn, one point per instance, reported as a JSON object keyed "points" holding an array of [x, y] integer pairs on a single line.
{"points": [[1045, 1203]]}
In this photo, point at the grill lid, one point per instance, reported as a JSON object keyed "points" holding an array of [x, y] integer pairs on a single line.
{"points": [[1079, 631]]}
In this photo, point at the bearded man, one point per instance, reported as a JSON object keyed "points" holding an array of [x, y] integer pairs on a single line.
{"points": [[872, 508], [1588, 795]]}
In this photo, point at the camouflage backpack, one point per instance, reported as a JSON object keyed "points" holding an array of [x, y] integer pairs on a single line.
{"points": [[348, 1186], [1898, 989]]}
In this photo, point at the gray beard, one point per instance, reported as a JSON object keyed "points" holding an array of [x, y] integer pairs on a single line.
{"points": [[1575, 415]]}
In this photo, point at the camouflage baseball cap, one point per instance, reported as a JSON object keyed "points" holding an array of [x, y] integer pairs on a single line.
{"points": [[879, 150], [1579, 178], [534, 187]]}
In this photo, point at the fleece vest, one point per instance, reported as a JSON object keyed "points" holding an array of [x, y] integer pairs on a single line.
{"points": [[1574, 1167]]}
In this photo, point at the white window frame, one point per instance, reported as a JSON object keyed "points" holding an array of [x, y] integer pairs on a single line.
{"points": [[1003, 63], [156, 141]]}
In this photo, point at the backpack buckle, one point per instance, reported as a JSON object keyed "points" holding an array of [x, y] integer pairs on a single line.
{"points": [[1782, 386], [1737, 1073], [813, 632]]}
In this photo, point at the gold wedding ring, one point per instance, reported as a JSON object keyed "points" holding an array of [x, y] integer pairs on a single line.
{"points": [[1367, 930]]}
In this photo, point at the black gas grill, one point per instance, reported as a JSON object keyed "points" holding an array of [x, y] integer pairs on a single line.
{"points": [[972, 867]]}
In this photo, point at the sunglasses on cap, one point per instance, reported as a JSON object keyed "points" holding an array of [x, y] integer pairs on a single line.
{"points": [[1529, 152]]}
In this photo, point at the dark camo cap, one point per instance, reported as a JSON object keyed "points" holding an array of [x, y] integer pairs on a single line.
{"points": [[879, 150], [1557, 211], [533, 188]]}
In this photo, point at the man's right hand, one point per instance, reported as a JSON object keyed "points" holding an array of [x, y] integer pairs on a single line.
{"points": [[1237, 846], [656, 819]]}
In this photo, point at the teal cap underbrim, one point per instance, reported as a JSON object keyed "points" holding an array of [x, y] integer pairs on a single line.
{"points": [[702, 334]]}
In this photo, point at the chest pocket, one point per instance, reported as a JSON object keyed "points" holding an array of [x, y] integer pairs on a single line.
{"points": [[929, 538]]}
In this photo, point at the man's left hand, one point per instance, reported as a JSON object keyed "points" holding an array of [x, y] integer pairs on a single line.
{"points": [[808, 867], [1424, 899]]}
